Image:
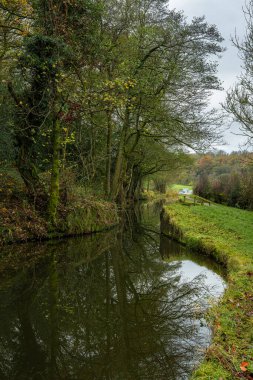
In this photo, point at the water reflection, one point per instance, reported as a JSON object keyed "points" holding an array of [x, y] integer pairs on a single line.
{"points": [[105, 307]]}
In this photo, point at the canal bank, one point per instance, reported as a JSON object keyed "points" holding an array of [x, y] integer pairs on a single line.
{"points": [[20, 222], [124, 304], [226, 235]]}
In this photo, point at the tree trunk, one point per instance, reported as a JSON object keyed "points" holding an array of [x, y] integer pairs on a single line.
{"points": [[55, 175], [117, 178], [26, 166], [148, 185], [134, 183], [108, 155], [28, 172], [26, 156]]}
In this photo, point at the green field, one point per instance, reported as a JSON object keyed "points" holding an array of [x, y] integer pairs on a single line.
{"points": [[177, 187], [226, 234]]}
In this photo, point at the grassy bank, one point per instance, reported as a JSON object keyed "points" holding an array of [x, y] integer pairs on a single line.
{"points": [[227, 235], [79, 211], [19, 222]]}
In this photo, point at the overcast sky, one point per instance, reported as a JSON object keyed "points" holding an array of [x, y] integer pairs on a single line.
{"points": [[228, 16]]}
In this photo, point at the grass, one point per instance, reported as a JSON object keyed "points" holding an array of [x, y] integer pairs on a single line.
{"points": [[177, 187], [227, 235]]}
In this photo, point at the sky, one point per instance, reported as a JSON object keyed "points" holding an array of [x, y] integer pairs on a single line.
{"points": [[229, 18]]}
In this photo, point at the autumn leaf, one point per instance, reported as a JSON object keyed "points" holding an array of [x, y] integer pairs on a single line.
{"points": [[244, 366]]}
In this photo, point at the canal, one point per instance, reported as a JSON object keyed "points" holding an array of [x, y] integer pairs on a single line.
{"points": [[126, 304]]}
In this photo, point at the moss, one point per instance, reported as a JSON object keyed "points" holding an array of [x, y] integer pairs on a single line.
{"points": [[208, 370], [226, 235]]}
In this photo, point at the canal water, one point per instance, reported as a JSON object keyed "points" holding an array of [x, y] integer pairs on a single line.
{"points": [[122, 305]]}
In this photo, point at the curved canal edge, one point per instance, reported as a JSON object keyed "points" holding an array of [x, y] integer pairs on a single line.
{"points": [[225, 234]]}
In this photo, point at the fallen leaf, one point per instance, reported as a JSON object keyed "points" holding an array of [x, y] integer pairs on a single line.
{"points": [[244, 366]]}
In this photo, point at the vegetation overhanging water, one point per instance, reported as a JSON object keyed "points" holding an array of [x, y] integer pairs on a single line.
{"points": [[125, 304]]}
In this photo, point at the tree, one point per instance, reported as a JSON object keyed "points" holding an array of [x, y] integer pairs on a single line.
{"points": [[167, 62], [115, 91], [239, 100], [46, 58], [14, 25]]}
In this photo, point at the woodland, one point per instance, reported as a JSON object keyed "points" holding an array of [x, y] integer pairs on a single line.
{"points": [[97, 96], [221, 177]]}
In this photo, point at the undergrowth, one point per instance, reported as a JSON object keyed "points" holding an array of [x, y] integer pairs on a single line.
{"points": [[78, 213]]}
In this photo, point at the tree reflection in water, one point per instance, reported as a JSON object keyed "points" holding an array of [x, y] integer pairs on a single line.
{"points": [[105, 307]]}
